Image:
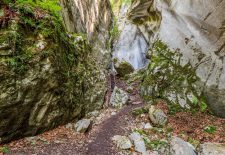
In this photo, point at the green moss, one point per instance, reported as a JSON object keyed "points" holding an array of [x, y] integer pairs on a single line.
{"points": [[166, 76], [69, 52], [123, 68], [210, 129]]}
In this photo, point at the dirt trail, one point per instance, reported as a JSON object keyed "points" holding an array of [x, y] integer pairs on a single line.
{"points": [[98, 140], [115, 125]]}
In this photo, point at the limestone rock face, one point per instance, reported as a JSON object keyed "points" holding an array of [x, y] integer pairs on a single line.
{"points": [[92, 18], [212, 149], [50, 79], [129, 43], [196, 30]]}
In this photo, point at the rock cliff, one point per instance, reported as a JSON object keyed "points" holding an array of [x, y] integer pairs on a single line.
{"points": [[50, 76], [195, 29]]}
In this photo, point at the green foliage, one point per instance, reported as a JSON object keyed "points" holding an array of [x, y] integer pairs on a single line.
{"points": [[4, 149], [116, 4], [195, 102], [140, 131], [154, 144], [210, 129], [114, 32], [70, 54], [175, 108], [37, 18], [169, 129], [167, 78], [139, 111], [194, 142], [52, 6]]}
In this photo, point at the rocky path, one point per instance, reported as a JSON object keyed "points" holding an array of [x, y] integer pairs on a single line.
{"points": [[115, 125], [98, 140], [111, 122]]}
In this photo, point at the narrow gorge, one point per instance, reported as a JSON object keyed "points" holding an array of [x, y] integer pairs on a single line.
{"points": [[112, 77]]}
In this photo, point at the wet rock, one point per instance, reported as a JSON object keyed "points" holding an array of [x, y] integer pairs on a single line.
{"points": [[122, 142], [131, 44], [82, 125], [180, 147], [157, 116], [122, 67], [138, 142], [118, 98], [212, 149]]}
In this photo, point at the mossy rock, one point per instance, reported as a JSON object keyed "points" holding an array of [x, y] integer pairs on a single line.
{"points": [[123, 68], [50, 79]]}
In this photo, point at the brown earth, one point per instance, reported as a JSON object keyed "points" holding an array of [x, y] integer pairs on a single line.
{"points": [[97, 141]]}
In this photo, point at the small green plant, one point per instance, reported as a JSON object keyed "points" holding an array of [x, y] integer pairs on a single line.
{"points": [[210, 129], [169, 129], [139, 111], [114, 32], [52, 6], [167, 78], [175, 108], [199, 102], [154, 144], [140, 131], [4, 149], [194, 142]]}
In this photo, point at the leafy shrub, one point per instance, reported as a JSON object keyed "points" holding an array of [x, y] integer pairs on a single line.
{"points": [[4, 149], [210, 129]]}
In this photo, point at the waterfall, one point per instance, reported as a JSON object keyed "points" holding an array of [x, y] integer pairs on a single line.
{"points": [[131, 45]]}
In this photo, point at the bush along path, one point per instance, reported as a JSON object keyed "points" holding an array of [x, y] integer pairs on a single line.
{"points": [[126, 126]]}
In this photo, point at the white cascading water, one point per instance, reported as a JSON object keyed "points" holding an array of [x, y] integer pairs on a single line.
{"points": [[131, 45]]}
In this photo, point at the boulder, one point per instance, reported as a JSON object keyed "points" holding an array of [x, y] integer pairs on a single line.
{"points": [[148, 126], [118, 98], [212, 149], [82, 125], [138, 143], [180, 147], [122, 67], [122, 142], [157, 116]]}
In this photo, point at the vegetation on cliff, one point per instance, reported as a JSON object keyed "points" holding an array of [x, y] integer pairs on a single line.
{"points": [[168, 78], [48, 76]]}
